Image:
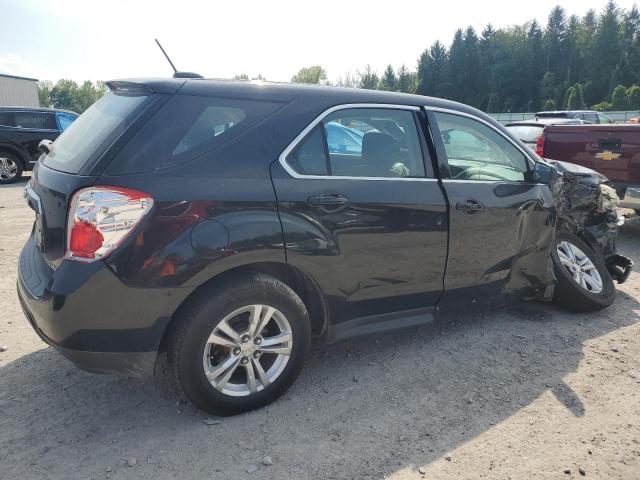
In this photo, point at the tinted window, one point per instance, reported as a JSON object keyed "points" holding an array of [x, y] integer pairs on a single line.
{"points": [[309, 157], [86, 138], [591, 117], [604, 118], [362, 142], [526, 133], [478, 152], [35, 120], [187, 127], [6, 119]]}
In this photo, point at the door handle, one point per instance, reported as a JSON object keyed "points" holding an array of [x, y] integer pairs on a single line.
{"points": [[330, 199], [469, 206]]}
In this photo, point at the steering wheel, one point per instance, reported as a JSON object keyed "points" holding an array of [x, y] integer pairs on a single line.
{"points": [[469, 172]]}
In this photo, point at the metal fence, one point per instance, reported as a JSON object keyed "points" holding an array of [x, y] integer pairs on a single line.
{"points": [[622, 117]]}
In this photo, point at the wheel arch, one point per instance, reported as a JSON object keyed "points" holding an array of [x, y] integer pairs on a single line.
{"points": [[304, 285], [22, 156]]}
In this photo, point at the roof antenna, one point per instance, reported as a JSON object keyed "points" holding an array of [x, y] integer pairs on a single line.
{"points": [[167, 57], [176, 73]]}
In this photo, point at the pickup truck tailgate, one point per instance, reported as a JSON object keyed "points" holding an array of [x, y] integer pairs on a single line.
{"points": [[613, 150]]}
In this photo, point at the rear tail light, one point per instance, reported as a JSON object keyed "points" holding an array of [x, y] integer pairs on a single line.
{"points": [[100, 218], [540, 145]]}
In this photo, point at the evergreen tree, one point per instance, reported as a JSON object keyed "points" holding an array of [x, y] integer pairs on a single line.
{"points": [[569, 96], [423, 73], [388, 81], [575, 100], [535, 66], [457, 67], [549, 104], [405, 80], [634, 97], [548, 87], [606, 49], [369, 79], [554, 38], [493, 106], [619, 99]]}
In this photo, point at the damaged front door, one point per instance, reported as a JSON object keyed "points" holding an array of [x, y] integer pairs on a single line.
{"points": [[501, 221]]}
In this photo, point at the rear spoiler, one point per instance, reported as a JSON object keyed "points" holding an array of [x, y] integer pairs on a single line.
{"points": [[120, 87], [145, 86]]}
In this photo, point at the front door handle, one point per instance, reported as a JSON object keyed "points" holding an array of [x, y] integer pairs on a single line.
{"points": [[469, 206], [329, 199]]}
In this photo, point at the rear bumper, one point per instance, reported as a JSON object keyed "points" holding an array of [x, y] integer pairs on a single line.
{"points": [[87, 314], [129, 363], [631, 198]]}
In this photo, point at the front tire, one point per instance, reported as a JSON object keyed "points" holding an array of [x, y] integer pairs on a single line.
{"points": [[583, 281], [240, 346], [10, 167]]}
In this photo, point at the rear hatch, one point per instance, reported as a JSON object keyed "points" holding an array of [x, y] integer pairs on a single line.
{"points": [[78, 156]]}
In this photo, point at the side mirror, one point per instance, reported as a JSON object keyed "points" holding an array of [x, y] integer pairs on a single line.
{"points": [[45, 146], [545, 173]]}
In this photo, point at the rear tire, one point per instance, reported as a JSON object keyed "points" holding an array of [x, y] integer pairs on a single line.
{"points": [[583, 281], [10, 167], [223, 364]]}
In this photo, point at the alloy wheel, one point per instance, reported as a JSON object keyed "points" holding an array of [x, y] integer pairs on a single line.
{"points": [[580, 267], [247, 350], [8, 168]]}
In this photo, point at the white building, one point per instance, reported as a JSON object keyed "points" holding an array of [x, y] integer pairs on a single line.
{"points": [[18, 91]]}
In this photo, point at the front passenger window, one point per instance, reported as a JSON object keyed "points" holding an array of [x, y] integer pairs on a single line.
{"points": [[477, 152]]}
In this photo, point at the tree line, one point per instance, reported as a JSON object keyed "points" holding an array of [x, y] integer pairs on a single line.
{"points": [[571, 63], [68, 95]]}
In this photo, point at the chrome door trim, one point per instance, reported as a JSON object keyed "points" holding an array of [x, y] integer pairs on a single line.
{"points": [[283, 156]]}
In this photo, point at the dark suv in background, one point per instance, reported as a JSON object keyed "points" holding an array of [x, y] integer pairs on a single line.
{"points": [[21, 130], [229, 223]]}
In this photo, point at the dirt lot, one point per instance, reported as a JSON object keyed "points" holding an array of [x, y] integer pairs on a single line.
{"points": [[529, 392]]}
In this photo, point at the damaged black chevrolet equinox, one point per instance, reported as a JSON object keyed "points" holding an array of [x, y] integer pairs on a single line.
{"points": [[230, 223]]}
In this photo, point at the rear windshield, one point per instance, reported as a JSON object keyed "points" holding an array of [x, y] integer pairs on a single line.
{"points": [[89, 135], [526, 133], [187, 127]]}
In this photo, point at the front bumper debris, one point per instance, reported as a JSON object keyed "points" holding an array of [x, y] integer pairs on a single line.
{"points": [[619, 267]]}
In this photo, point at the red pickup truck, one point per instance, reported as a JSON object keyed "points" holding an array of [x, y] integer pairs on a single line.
{"points": [[612, 150]]}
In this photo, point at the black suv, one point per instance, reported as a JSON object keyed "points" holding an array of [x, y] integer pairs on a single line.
{"points": [[21, 131], [229, 223]]}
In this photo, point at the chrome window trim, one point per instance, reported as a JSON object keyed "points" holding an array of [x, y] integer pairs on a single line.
{"points": [[345, 106], [530, 161]]}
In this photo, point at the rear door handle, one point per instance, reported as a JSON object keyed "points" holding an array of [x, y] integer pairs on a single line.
{"points": [[329, 199], [469, 206]]}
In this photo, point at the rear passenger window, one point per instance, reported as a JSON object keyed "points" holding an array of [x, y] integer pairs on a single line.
{"points": [[362, 142], [185, 128], [35, 120], [6, 119]]}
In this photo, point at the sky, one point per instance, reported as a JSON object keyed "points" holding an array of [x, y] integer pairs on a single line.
{"points": [[92, 40]]}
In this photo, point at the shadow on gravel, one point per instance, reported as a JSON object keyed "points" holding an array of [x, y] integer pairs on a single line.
{"points": [[362, 409]]}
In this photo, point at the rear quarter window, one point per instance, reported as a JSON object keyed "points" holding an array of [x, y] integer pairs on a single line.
{"points": [[185, 128]]}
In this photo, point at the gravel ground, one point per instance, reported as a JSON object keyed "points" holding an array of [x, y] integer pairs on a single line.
{"points": [[528, 392]]}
